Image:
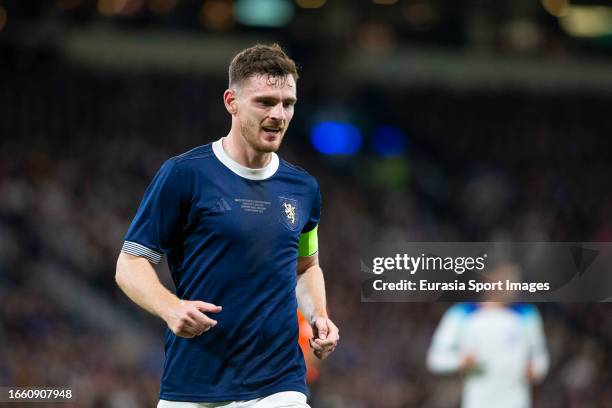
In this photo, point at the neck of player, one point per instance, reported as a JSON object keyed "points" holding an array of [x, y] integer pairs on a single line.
{"points": [[242, 153]]}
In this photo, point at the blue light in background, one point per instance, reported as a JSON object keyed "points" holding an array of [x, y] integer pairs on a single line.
{"points": [[336, 138], [388, 141]]}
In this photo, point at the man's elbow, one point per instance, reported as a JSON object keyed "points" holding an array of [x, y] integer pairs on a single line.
{"points": [[433, 365], [120, 270], [441, 364]]}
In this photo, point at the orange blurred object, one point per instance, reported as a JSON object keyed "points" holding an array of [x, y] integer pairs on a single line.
{"points": [[312, 363]]}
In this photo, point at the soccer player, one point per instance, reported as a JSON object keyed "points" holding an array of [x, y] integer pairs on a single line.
{"points": [[238, 226], [499, 347]]}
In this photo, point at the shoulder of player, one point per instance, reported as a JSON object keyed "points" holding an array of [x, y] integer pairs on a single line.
{"points": [[183, 165], [296, 171], [192, 157], [462, 310], [525, 310], [197, 153]]}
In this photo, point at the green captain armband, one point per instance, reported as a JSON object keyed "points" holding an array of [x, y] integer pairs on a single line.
{"points": [[309, 243]]}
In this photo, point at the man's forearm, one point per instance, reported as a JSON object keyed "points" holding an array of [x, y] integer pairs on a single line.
{"points": [[310, 293], [139, 281]]}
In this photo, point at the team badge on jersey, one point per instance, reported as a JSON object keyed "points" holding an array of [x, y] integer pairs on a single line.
{"points": [[289, 212]]}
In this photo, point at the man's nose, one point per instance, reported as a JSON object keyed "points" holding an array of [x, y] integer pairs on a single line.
{"points": [[278, 112]]}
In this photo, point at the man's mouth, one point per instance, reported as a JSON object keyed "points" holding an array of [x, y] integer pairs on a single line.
{"points": [[271, 129]]}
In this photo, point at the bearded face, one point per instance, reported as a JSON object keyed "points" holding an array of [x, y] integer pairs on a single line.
{"points": [[264, 110]]}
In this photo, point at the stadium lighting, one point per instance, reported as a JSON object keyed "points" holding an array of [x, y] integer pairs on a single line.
{"points": [[587, 21], [557, 8], [263, 13], [336, 138]]}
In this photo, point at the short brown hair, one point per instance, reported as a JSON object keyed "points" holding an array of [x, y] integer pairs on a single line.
{"points": [[261, 59]]}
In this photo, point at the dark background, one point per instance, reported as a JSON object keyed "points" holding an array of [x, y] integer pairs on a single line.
{"points": [[503, 112]]}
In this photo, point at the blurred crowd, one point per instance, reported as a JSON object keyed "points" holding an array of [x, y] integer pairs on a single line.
{"points": [[77, 149]]}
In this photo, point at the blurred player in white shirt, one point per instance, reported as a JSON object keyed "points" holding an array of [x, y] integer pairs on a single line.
{"points": [[500, 347]]}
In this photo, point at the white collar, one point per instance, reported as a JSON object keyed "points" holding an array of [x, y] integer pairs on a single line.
{"points": [[246, 172]]}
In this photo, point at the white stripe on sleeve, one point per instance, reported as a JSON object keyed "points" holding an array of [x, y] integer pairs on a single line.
{"points": [[136, 249]]}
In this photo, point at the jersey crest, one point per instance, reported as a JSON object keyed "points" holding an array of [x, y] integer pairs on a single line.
{"points": [[289, 212]]}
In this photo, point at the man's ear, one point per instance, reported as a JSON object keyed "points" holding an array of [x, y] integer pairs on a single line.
{"points": [[229, 99]]}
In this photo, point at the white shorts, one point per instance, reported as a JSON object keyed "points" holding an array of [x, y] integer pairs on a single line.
{"points": [[285, 399]]}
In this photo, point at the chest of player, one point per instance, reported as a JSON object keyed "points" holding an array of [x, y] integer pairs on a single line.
{"points": [[496, 330], [249, 210]]}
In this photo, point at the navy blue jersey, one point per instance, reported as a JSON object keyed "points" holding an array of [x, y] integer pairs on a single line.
{"points": [[231, 236]]}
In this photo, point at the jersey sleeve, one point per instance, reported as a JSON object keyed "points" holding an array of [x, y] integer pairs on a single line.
{"points": [[445, 355], [308, 244], [540, 360], [157, 222]]}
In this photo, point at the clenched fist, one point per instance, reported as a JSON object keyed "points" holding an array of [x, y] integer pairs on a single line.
{"points": [[326, 337]]}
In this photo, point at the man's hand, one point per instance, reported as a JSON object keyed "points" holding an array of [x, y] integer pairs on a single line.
{"points": [[531, 374], [326, 337], [468, 363], [187, 318], [470, 366]]}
